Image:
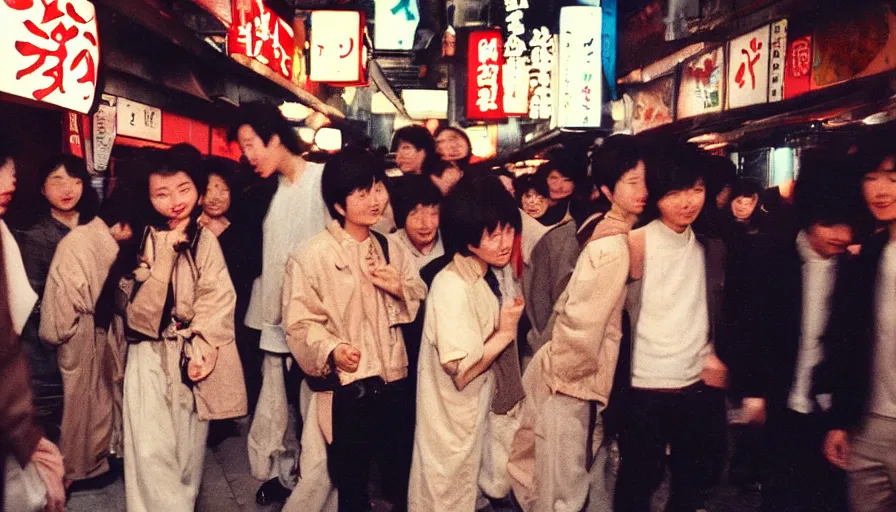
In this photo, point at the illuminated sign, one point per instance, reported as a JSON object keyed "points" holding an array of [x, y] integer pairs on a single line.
{"points": [[778, 57], [702, 84], [338, 52], [485, 98], [581, 79], [748, 61], [50, 51], [259, 34], [541, 98], [396, 24], [516, 60], [798, 66]]}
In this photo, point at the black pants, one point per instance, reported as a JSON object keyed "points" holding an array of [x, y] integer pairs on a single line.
{"points": [[799, 477], [693, 424], [372, 421]]}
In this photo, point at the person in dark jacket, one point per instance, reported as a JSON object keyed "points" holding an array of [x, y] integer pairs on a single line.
{"points": [[861, 342], [798, 281]]}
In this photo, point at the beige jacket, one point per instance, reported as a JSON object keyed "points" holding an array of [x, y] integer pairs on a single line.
{"points": [[76, 279], [580, 358], [205, 299], [324, 305]]}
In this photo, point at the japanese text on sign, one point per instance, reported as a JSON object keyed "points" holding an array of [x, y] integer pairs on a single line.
{"points": [[516, 59], [261, 35], [484, 86], [541, 102], [580, 67], [778, 57], [51, 51], [337, 49], [748, 68]]}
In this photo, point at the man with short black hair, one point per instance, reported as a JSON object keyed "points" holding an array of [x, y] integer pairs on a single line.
{"points": [[417, 217], [347, 292], [293, 214], [674, 399], [570, 377]]}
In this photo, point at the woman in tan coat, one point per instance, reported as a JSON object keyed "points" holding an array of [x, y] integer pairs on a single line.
{"points": [[183, 368]]}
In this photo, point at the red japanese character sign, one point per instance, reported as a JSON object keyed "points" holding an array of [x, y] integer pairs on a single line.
{"points": [[485, 88], [337, 47], [50, 51], [258, 33], [748, 69]]}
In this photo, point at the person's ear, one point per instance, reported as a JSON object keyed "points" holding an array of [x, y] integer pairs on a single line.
{"points": [[274, 142], [605, 190], [339, 209]]}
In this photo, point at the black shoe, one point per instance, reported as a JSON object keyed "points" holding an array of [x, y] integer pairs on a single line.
{"points": [[219, 430], [272, 492]]}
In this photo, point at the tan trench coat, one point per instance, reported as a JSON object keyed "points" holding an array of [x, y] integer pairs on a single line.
{"points": [[204, 299], [76, 278]]}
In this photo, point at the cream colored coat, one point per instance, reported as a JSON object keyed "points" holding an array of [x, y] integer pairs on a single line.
{"points": [[204, 297], [76, 279]]}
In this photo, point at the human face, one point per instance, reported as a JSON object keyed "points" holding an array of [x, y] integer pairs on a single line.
{"points": [[447, 181], [409, 158], [534, 204], [743, 207], [559, 186], [879, 189], [829, 241], [216, 201], [262, 157], [495, 247], [422, 225], [7, 185], [451, 146], [364, 207], [173, 195], [630, 192], [680, 208], [62, 191]]}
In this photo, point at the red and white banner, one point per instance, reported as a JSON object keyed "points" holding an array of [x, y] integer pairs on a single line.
{"points": [[50, 50], [259, 34], [485, 87]]}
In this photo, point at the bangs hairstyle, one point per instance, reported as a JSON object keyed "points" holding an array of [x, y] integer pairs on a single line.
{"points": [[465, 160], [720, 173], [417, 136], [745, 188], [347, 171], [227, 170], [873, 151], [412, 192], [267, 121], [615, 157], [179, 158], [474, 208], [827, 194], [7, 151], [677, 166], [526, 182], [90, 201]]}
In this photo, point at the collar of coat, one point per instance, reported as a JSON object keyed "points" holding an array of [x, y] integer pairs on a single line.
{"points": [[344, 242], [468, 268]]}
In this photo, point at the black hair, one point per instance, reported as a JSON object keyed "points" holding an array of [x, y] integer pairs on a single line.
{"points": [[474, 207], [677, 166], [119, 205], [417, 136], [438, 167], [615, 157], [827, 194], [74, 166], [267, 121], [180, 158], [8, 151], [413, 191], [347, 171], [745, 188], [720, 173], [227, 170], [526, 182], [873, 151], [465, 161]]}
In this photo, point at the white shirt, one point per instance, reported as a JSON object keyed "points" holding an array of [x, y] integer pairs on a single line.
{"points": [[297, 213], [883, 384], [819, 276], [420, 259], [21, 296], [672, 334]]}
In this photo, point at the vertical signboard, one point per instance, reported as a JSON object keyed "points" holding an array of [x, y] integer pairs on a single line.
{"points": [[580, 77], [50, 51], [337, 46], [541, 99], [798, 66], [516, 57], [259, 34], [485, 57], [701, 88], [748, 68], [778, 48], [396, 24]]}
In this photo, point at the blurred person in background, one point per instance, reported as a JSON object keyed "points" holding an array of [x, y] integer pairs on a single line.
{"points": [[453, 145], [414, 149], [532, 195]]}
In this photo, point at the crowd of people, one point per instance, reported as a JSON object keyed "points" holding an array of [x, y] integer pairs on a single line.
{"points": [[564, 340]]}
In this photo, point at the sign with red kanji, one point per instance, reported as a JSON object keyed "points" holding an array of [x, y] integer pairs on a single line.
{"points": [[748, 62], [485, 89], [50, 51], [258, 33], [798, 66], [338, 52]]}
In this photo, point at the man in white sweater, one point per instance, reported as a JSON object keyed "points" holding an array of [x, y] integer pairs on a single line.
{"points": [[674, 399]]}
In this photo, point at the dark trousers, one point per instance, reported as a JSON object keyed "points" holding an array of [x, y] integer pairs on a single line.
{"points": [[372, 422], [251, 357], [693, 423], [799, 477]]}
